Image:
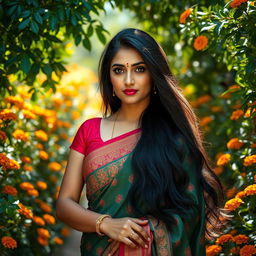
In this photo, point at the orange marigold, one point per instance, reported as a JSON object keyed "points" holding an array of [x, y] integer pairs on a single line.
{"points": [[43, 232], [224, 239], [54, 166], [26, 186], [39, 146], [203, 99], [9, 242], [250, 190], [32, 192], [41, 185], [49, 218], [249, 160], [20, 135], [236, 3], [233, 203], [10, 190], [240, 194], [26, 159], [45, 207], [65, 231], [42, 241], [3, 136], [25, 211], [223, 159], [205, 120], [43, 155], [185, 15], [15, 100], [40, 134], [241, 239], [8, 163], [28, 168], [58, 240], [28, 114], [213, 250], [216, 108], [39, 221], [236, 114], [234, 143], [248, 250], [218, 170], [200, 43], [231, 192], [6, 114]]}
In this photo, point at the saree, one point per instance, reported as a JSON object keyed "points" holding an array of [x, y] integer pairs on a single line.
{"points": [[108, 177]]}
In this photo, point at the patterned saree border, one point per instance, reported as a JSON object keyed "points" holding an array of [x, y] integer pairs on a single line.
{"points": [[108, 153]]}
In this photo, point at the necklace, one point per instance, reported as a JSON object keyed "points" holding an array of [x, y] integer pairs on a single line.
{"points": [[114, 124]]}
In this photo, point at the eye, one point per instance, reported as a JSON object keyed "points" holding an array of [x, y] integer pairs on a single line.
{"points": [[117, 70], [140, 69]]}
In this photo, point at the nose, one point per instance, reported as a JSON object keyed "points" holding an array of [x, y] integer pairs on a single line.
{"points": [[129, 80]]}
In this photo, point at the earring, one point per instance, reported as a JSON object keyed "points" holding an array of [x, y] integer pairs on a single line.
{"points": [[113, 93], [154, 90]]}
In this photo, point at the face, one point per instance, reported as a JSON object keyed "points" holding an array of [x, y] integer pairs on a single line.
{"points": [[130, 77]]}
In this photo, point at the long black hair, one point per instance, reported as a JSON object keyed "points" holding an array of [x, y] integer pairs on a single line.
{"points": [[159, 177]]}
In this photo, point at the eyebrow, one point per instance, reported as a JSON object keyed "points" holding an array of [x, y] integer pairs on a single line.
{"points": [[135, 64]]}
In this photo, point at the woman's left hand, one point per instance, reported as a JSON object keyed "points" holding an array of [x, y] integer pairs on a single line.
{"points": [[114, 246]]}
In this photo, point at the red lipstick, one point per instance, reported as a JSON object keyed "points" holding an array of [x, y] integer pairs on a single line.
{"points": [[130, 91]]}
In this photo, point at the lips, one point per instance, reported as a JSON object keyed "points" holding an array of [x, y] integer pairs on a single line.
{"points": [[130, 91]]}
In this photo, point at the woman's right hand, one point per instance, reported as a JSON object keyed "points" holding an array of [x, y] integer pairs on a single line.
{"points": [[126, 230]]}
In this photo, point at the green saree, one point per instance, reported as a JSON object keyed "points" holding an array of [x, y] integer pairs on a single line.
{"points": [[108, 177]]}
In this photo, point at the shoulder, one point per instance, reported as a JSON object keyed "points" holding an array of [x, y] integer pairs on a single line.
{"points": [[90, 123]]}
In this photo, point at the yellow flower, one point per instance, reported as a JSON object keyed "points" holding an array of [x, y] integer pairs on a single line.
{"points": [[9, 242], [200, 43], [241, 239], [32, 192], [28, 114], [247, 250], [25, 211], [223, 159], [41, 185], [3, 136], [10, 190], [43, 155], [240, 194], [26, 186], [213, 250], [185, 15], [54, 166], [6, 114], [15, 100], [224, 238], [8, 163], [49, 218], [249, 160], [233, 204], [39, 221], [237, 114], [250, 190], [20, 135], [40, 134], [58, 240], [236, 3], [234, 143]]}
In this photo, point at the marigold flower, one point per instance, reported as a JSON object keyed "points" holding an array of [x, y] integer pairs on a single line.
{"points": [[45, 207], [240, 194], [25, 211], [233, 232], [54, 166], [247, 250], [231, 192], [32, 192], [236, 114], [223, 159], [39, 146], [43, 233], [224, 239], [213, 250], [41, 185], [65, 231], [216, 109], [205, 120], [43, 155], [75, 115], [40, 134], [236, 3], [26, 186], [6, 114], [58, 240], [39, 221], [26, 159], [241, 239], [42, 241], [200, 43], [185, 15], [253, 145], [10, 190], [49, 218], [250, 190], [234, 250], [20, 135], [8, 163], [249, 160], [3, 136], [28, 114], [9, 242], [233, 203], [234, 143], [15, 100], [28, 168]]}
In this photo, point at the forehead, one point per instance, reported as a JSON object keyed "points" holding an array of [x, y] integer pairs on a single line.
{"points": [[126, 55]]}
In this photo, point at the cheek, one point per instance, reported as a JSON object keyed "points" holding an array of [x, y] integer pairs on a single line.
{"points": [[115, 80]]}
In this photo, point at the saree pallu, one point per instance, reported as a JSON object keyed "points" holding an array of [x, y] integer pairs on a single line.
{"points": [[108, 176]]}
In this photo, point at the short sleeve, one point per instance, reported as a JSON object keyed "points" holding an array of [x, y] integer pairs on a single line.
{"points": [[79, 141]]}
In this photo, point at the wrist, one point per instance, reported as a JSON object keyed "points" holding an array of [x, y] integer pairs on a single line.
{"points": [[104, 225], [99, 221]]}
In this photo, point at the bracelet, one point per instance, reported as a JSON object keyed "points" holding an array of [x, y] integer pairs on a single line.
{"points": [[98, 222]]}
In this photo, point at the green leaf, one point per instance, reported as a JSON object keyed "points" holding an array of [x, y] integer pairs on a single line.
{"points": [[208, 27], [34, 27], [25, 14], [100, 35], [78, 39], [38, 18], [238, 13], [90, 31], [23, 24], [87, 44], [47, 69], [73, 20], [53, 22], [218, 28], [25, 64]]}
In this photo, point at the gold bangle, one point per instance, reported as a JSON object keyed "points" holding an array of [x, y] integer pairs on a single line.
{"points": [[98, 222]]}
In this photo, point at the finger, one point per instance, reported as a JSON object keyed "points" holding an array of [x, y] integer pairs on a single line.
{"points": [[136, 238], [114, 248], [140, 230], [140, 221], [129, 242]]}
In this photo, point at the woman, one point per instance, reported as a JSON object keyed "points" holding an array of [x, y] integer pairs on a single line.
{"points": [[150, 187]]}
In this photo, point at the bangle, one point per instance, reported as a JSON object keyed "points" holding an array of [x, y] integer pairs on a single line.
{"points": [[98, 222]]}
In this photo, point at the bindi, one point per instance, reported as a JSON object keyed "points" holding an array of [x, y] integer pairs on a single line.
{"points": [[127, 65]]}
